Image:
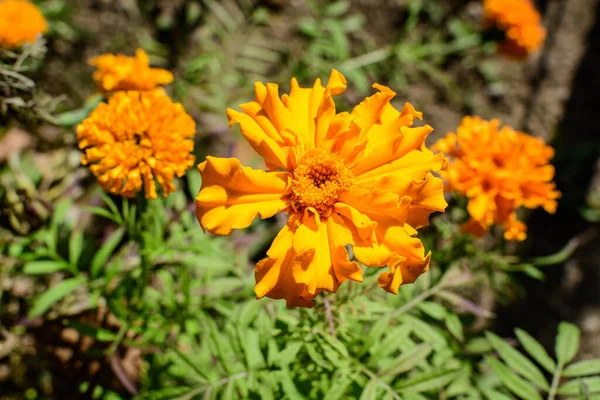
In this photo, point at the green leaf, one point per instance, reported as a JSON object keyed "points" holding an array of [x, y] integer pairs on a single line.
{"points": [[103, 254], [44, 267], [591, 384], [316, 356], [102, 212], [58, 217], [518, 362], [75, 247], [425, 332], [74, 117], [567, 342], [254, 356], [429, 381], [434, 310], [492, 394], [478, 345], [408, 360], [533, 272], [102, 335], [340, 383], [512, 381], [455, 326], [288, 355], [583, 368], [288, 386], [536, 350], [370, 391], [53, 295]]}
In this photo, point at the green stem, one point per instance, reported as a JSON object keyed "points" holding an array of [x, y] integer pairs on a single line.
{"points": [[189, 362], [118, 339], [423, 296], [555, 381], [146, 263], [381, 383]]}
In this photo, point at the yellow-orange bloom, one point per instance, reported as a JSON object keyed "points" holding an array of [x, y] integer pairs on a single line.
{"points": [[20, 22], [521, 23], [361, 179], [499, 170], [135, 138], [120, 72]]}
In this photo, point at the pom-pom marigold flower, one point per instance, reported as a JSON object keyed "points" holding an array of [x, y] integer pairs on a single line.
{"points": [[120, 72], [361, 179], [135, 138], [499, 170], [20, 22], [521, 23]]}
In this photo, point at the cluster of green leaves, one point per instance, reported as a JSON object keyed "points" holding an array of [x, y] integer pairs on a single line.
{"points": [[229, 51], [523, 378]]}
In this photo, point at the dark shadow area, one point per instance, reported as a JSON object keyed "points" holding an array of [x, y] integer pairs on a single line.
{"points": [[577, 140]]}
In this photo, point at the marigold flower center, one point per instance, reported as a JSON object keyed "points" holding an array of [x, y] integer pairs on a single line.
{"points": [[318, 181]]}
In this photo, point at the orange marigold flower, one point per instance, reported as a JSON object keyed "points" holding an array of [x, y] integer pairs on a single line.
{"points": [[499, 170], [135, 138], [361, 179], [20, 22], [521, 23], [120, 72]]}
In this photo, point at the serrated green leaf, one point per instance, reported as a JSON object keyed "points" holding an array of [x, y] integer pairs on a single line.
{"points": [[535, 350], [512, 381], [53, 295], [583, 368], [518, 362], [567, 342], [105, 252], [592, 385], [44, 267]]}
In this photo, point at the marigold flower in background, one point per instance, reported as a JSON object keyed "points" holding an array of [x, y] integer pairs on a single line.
{"points": [[499, 170], [521, 23], [20, 22], [120, 72], [135, 138], [361, 179]]}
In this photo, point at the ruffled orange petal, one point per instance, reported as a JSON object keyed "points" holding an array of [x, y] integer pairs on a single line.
{"points": [[321, 246], [394, 247], [279, 127], [232, 195], [274, 274], [305, 259]]}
